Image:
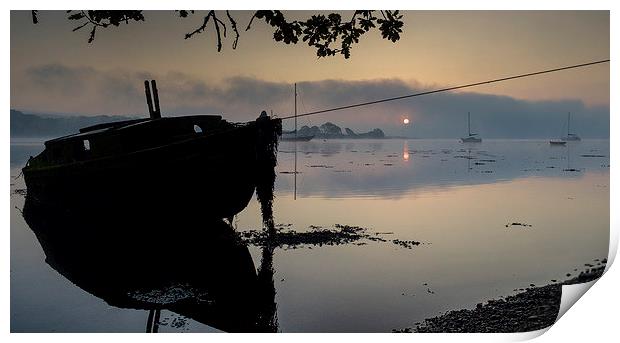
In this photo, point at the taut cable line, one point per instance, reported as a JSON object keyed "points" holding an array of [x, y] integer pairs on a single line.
{"points": [[448, 89]]}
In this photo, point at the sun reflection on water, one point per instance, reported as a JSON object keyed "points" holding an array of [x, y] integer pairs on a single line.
{"points": [[405, 151]]}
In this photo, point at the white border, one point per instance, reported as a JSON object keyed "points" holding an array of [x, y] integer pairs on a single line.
{"points": [[593, 319]]}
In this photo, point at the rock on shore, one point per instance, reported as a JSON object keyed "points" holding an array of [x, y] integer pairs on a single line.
{"points": [[533, 309]]}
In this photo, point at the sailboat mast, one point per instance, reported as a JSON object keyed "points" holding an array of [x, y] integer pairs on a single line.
{"points": [[468, 125], [295, 173], [295, 110], [568, 123]]}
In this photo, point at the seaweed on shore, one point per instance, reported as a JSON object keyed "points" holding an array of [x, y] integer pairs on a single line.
{"points": [[289, 238], [406, 244], [20, 192], [518, 224], [285, 237]]}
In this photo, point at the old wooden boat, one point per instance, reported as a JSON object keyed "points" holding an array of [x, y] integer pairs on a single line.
{"points": [[187, 161]]}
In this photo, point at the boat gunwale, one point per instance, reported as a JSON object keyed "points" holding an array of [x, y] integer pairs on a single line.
{"points": [[29, 169], [89, 131]]}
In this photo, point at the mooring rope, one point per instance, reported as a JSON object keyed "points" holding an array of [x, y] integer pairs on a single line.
{"points": [[448, 89]]}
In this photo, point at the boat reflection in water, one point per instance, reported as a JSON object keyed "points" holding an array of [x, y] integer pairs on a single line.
{"points": [[177, 261]]}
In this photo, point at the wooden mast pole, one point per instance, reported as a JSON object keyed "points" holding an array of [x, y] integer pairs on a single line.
{"points": [[152, 99], [295, 111], [155, 99], [149, 101], [295, 171]]}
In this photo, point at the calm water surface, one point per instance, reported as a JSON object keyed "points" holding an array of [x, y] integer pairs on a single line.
{"points": [[454, 198]]}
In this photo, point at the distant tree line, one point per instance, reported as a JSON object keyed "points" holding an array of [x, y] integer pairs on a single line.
{"points": [[333, 131], [33, 125]]}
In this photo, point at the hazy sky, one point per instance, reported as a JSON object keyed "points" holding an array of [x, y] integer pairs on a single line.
{"points": [[56, 70]]}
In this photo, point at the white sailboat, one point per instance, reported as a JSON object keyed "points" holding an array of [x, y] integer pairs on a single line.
{"points": [[570, 136], [557, 142], [471, 137]]}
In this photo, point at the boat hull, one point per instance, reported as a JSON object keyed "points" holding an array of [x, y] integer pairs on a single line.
{"points": [[471, 140], [571, 138], [211, 173]]}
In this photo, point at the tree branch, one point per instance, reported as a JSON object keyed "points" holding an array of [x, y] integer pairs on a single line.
{"points": [[221, 23], [233, 24], [200, 28], [217, 31], [250, 22]]}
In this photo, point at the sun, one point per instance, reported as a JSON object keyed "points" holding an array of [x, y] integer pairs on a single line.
{"points": [[406, 121]]}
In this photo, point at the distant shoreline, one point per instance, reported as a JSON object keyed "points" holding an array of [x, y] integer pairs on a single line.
{"points": [[27, 126], [39, 126], [17, 140], [457, 139]]}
